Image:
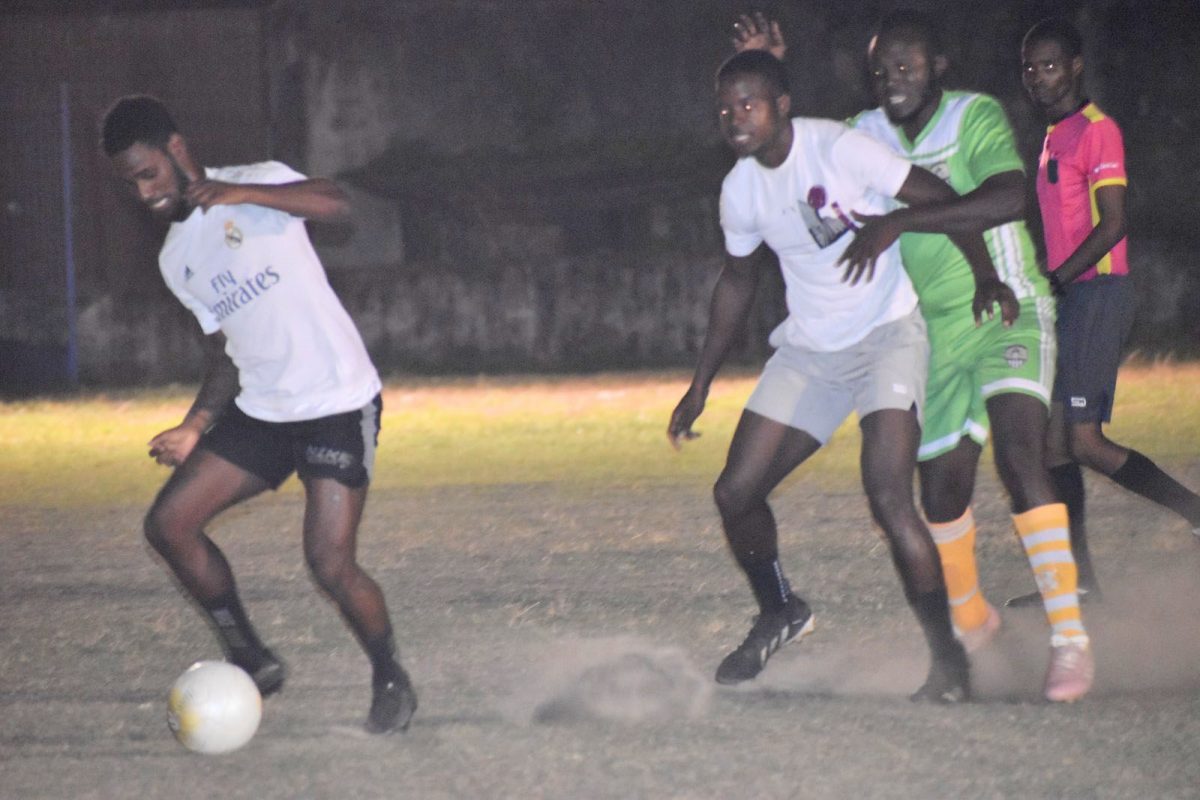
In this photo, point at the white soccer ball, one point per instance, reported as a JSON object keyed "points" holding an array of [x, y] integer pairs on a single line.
{"points": [[214, 707]]}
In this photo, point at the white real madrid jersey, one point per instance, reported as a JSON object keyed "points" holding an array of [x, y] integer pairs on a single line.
{"points": [[251, 272]]}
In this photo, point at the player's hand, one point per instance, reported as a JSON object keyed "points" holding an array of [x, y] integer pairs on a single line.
{"points": [[756, 32], [206, 194], [689, 409], [172, 447], [992, 292], [875, 236]]}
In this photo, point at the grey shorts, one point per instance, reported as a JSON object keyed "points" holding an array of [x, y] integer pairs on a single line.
{"points": [[815, 391]]}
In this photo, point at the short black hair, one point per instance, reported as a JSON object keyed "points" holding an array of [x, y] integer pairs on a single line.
{"points": [[1056, 29], [135, 118], [760, 63], [917, 22]]}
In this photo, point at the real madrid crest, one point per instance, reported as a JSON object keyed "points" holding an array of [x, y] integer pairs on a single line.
{"points": [[233, 235]]}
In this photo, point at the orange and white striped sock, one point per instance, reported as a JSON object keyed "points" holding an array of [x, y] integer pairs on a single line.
{"points": [[1045, 535], [956, 545]]}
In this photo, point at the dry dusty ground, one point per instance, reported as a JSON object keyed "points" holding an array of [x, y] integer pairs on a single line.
{"points": [[563, 639]]}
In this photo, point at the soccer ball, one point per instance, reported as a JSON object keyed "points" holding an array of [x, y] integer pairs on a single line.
{"points": [[214, 707]]}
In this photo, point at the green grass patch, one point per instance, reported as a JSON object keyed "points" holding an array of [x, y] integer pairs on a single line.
{"points": [[596, 430]]}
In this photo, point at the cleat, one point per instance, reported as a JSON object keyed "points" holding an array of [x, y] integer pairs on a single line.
{"points": [[1034, 599], [770, 632], [1070, 674], [265, 670], [949, 680], [393, 703], [975, 640]]}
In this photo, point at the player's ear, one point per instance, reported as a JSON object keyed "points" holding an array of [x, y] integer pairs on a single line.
{"points": [[783, 104], [177, 149], [177, 146], [1077, 67], [940, 65]]}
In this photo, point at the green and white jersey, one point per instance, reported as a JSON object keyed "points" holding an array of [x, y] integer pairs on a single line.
{"points": [[967, 141]]}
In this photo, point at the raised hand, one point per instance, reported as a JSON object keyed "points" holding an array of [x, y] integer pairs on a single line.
{"points": [[756, 32]]}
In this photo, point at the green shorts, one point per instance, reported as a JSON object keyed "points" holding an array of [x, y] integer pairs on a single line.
{"points": [[968, 365]]}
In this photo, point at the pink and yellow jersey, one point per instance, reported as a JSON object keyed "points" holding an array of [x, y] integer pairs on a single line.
{"points": [[1081, 154]]}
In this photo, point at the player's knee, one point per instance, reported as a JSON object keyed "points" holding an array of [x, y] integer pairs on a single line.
{"points": [[732, 501], [157, 528], [890, 505], [1087, 446], [330, 569]]}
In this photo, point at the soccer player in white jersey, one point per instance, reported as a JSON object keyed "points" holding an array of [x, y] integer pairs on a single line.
{"points": [[288, 386], [853, 340]]}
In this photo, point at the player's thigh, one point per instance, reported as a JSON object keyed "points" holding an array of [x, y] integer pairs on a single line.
{"points": [[953, 407], [204, 485], [335, 458], [948, 481], [255, 446], [802, 390], [889, 369], [762, 453], [332, 513], [889, 457]]}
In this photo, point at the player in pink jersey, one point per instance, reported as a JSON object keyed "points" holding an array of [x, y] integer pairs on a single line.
{"points": [[1081, 193]]}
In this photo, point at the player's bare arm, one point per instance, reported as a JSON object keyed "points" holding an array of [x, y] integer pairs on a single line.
{"points": [[921, 190], [1110, 229], [879, 232], [171, 447], [316, 199], [755, 31], [733, 297], [999, 199]]}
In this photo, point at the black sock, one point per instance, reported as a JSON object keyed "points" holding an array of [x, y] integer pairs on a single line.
{"points": [[933, 612], [770, 587], [238, 638], [382, 652], [1139, 474], [1068, 485]]}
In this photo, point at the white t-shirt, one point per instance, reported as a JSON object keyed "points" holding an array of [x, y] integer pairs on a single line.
{"points": [[802, 210], [251, 272]]}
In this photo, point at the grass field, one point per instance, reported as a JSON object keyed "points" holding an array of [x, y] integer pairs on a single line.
{"points": [[562, 594], [602, 430]]}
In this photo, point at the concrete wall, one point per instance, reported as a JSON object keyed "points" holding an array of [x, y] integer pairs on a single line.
{"points": [[534, 183]]}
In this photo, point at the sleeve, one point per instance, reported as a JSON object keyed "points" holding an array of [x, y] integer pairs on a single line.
{"points": [[1105, 151], [987, 140], [871, 163], [269, 172], [737, 218]]}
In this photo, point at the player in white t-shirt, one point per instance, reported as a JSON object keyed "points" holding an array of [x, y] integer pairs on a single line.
{"points": [[853, 340], [288, 386]]}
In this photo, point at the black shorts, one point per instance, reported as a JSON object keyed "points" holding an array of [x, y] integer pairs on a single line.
{"points": [[341, 446], [1094, 320]]}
